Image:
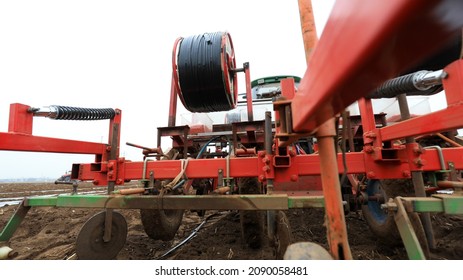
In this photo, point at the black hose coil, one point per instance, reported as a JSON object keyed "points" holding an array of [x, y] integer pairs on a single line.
{"points": [[82, 114], [204, 86]]}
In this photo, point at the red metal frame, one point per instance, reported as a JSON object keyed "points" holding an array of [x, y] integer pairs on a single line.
{"points": [[19, 138], [443, 120], [363, 44], [407, 158]]}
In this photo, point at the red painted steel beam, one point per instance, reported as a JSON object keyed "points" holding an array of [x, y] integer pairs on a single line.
{"points": [[430, 159], [444, 120], [30, 143], [365, 43], [207, 168]]}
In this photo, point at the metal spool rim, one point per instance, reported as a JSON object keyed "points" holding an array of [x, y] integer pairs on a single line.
{"points": [[228, 65], [175, 68]]}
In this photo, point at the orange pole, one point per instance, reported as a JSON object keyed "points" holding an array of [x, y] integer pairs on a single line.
{"points": [[309, 31], [334, 211]]}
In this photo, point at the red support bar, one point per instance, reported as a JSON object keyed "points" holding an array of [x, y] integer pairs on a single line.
{"points": [[302, 165], [114, 136], [30, 143], [365, 43], [453, 83], [431, 161], [19, 137], [21, 119], [173, 104], [367, 114], [287, 87], [443, 120]]}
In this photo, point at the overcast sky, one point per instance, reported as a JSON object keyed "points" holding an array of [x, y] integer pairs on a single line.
{"points": [[118, 54]]}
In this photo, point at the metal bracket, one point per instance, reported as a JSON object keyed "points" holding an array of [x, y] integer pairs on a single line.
{"points": [[409, 238]]}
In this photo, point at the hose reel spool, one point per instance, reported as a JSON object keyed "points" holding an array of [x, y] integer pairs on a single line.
{"points": [[203, 72]]}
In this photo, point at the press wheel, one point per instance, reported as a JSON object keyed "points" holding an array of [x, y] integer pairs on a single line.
{"points": [[162, 224], [90, 244], [382, 223]]}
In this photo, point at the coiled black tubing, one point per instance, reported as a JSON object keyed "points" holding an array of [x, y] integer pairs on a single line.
{"points": [[201, 77], [82, 114]]}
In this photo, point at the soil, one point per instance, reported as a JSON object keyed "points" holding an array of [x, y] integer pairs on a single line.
{"points": [[50, 232]]}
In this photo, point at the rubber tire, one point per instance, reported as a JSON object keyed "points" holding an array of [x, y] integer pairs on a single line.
{"points": [[161, 224], [383, 224], [252, 222]]}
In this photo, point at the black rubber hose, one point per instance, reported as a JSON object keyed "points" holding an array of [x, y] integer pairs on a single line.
{"points": [[82, 114], [200, 74]]}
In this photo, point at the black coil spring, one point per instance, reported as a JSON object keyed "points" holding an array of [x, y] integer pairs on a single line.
{"points": [[404, 84], [200, 74], [82, 114], [400, 85]]}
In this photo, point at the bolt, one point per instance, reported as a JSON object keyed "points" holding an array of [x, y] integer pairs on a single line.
{"points": [[371, 174], [266, 160], [292, 153], [119, 181], [95, 182], [261, 154], [419, 162], [261, 178], [111, 165], [108, 148], [294, 178], [370, 135], [406, 173], [417, 150], [368, 149], [266, 169]]}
